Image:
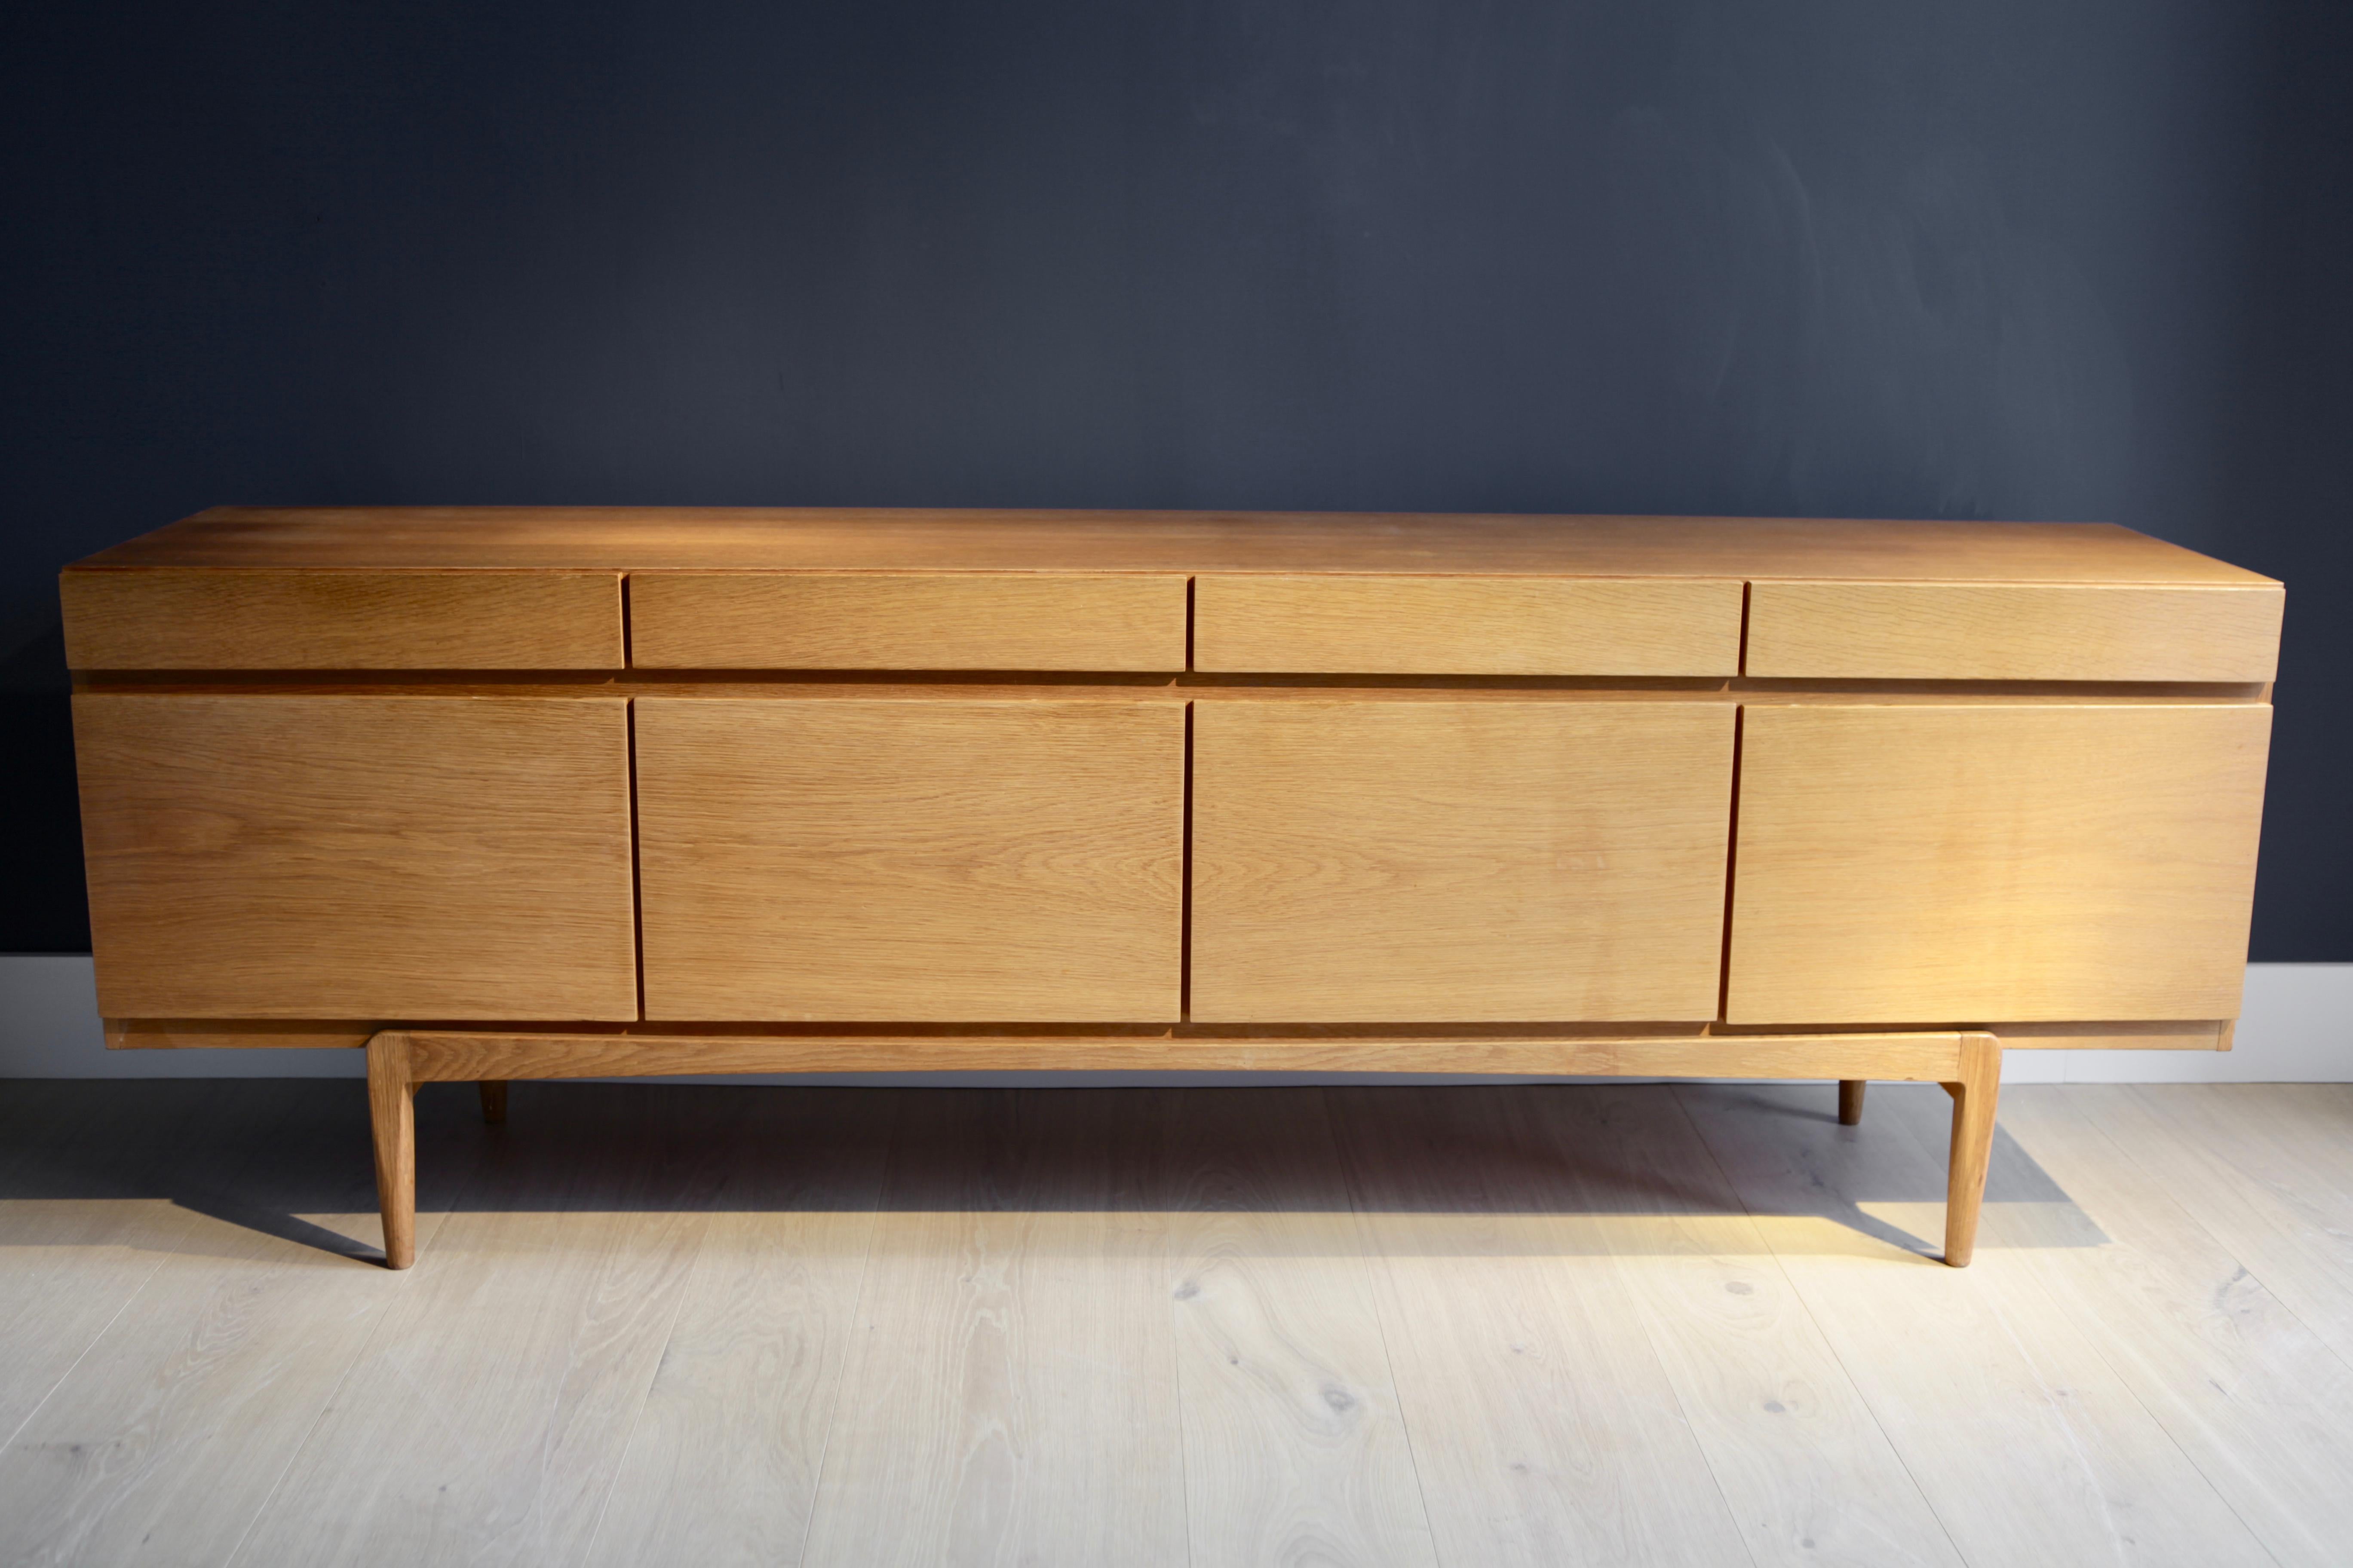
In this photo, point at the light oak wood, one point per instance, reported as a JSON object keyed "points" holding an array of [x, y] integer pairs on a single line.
{"points": [[835, 620], [2013, 631], [1295, 1447], [274, 618], [464, 1056], [2027, 1445], [2254, 1394], [1911, 864], [911, 860], [1466, 625], [726, 1452], [1808, 1472], [392, 1118], [320, 858], [170, 1431], [1975, 1092], [498, 1443], [1538, 1408], [2265, 1170], [871, 538], [633, 1357], [1363, 860], [1850, 1090], [1012, 1396]]}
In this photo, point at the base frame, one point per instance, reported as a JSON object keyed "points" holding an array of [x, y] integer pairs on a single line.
{"points": [[1968, 1063]]}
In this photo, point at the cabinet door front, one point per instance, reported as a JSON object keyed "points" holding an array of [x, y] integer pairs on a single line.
{"points": [[923, 860], [1400, 861], [358, 857], [1988, 863]]}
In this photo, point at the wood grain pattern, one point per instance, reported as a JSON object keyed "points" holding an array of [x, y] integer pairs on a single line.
{"points": [[1466, 625], [471, 1055], [1809, 1474], [1539, 1411], [1976, 1090], [269, 618], [2024, 1441], [1904, 864], [2013, 631], [391, 1121], [2257, 1399], [911, 860], [854, 620], [648, 539], [497, 1445], [357, 856], [1012, 1394], [166, 1438], [1296, 1450], [724, 1458], [1363, 860]]}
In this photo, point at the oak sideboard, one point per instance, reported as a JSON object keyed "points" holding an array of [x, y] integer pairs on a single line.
{"points": [[503, 793]]}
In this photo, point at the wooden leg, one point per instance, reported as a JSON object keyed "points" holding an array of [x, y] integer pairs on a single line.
{"points": [[1973, 1107], [1850, 1100], [494, 1099], [392, 1110]]}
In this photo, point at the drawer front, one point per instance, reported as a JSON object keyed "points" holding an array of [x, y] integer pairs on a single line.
{"points": [[2013, 631], [1407, 861], [1972, 864], [930, 861], [371, 858], [763, 620], [233, 618], [1466, 625]]}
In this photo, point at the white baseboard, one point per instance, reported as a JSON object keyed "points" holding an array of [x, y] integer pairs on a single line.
{"points": [[2297, 1028]]}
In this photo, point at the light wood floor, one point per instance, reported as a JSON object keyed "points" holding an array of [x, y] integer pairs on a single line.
{"points": [[1467, 1326]]}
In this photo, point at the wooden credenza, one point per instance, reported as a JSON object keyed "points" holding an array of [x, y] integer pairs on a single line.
{"points": [[539, 792]]}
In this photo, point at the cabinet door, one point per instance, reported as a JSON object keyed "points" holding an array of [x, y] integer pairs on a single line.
{"points": [[1400, 861], [917, 860], [358, 857], [1985, 863]]}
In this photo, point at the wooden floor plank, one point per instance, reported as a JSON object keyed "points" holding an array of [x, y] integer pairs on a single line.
{"points": [[723, 1465], [1012, 1391], [488, 1416], [2028, 1445], [2266, 1169], [1296, 1450], [1543, 1428], [1809, 1473], [2256, 1400], [87, 1216], [164, 1442]]}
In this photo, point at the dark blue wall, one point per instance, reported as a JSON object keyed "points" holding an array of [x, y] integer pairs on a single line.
{"points": [[2017, 259]]}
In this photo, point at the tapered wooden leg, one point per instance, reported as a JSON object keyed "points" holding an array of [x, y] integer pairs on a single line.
{"points": [[392, 1110], [1973, 1107], [1850, 1100], [494, 1099]]}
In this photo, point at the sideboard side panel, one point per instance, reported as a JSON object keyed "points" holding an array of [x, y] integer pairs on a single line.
{"points": [[1987, 862], [378, 857]]}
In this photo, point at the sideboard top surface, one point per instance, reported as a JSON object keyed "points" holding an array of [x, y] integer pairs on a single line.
{"points": [[877, 539]]}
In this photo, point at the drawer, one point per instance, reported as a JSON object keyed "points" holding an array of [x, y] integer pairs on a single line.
{"points": [[935, 861], [1371, 862], [1318, 624], [298, 856], [2013, 631], [913, 620], [253, 619], [1937, 863]]}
